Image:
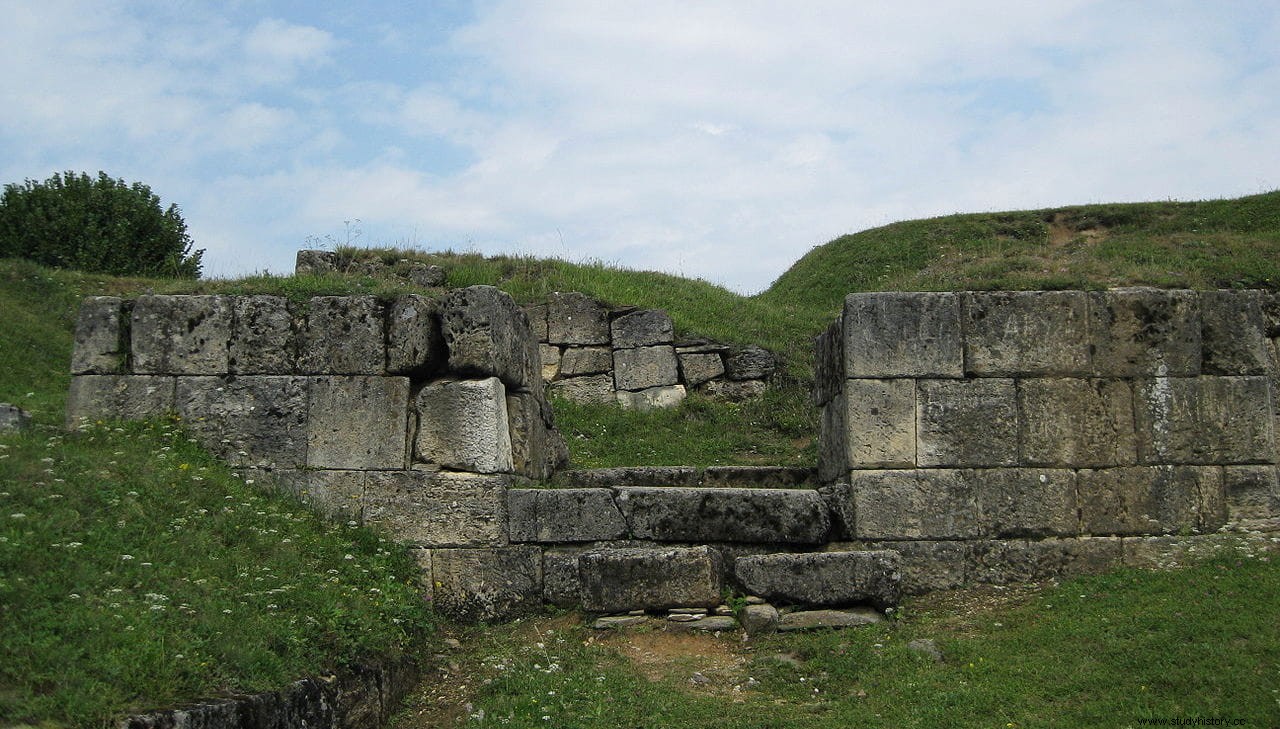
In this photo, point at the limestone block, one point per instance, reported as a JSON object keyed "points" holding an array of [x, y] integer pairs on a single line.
{"points": [[597, 389], [697, 368], [180, 335], [833, 440], [358, 422], [750, 363], [642, 329], [100, 347], [1142, 332], [264, 336], [118, 397], [608, 478], [781, 516], [537, 315], [644, 367], [903, 335], [415, 341], [576, 319], [579, 361], [564, 515], [438, 508], [256, 420], [880, 421], [827, 619], [309, 262], [1151, 500], [1004, 562], [560, 583], [966, 422], [336, 494], [13, 418], [463, 425], [916, 504], [735, 390], [653, 398], [759, 619], [1026, 502], [828, 363], [823, 578], [425, 275], [1234, 334], [774, 477], [1077, 422], [1205, 420], [1252, 497], [537, 448], [1179, 551], [1026, 333], [344, 335], [489, 336], [617, 580], [549, 358], [926, 566], [487, 585]]}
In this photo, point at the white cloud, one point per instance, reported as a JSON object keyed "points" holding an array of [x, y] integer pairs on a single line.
{"points": [[278, 42]]}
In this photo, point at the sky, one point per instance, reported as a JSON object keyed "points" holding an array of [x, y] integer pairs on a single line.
{"points": [[717, 140]]}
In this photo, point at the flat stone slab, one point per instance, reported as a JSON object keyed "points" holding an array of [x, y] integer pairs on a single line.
{"points": [[783, 516], [618, 580], [630, 476], [709, 624], [825, 578], [819, 619], [613, 622]]}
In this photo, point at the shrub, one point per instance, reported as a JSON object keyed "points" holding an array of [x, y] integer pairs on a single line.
{"points": [[101, 225]]}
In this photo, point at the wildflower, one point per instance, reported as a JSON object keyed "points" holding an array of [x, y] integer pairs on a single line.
{"points": [[20, 515]]}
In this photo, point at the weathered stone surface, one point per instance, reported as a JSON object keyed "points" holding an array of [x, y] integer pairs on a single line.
{"points": [[759, 619], [653, 398], [463, 424], [564, 515], [118, 397], [642, 329], [336, 494], [489, 336], [358, 422], [426, 276], [1252, 497], [258, 420], [100, 347], [13, 418], [578, 361], [1004, 562], [549, 358], [819, 619], [644, 367], [561, 585], [824, 578], [966, 422], [1026, 502], [903, 335], [486, 585], [926, 647], [1077, 422], [576, 319], [438, 508], [750, 363], [617, 580], [613, 622], [735, 390], [783, 516], [1026, 333], [880, 419], [828, 363], [1180, 551], [264, 336], [926, 566], [634, 476], [915, 504], [537, 448], [180, 335], [697, 368], [344, 335], [415, 341], [1234, 334], [775, 477], [709, 624], [1205, 420], [1142, 332], [1151, 500], [833, 439], [537, 315], [596, 389], [310, 262]]}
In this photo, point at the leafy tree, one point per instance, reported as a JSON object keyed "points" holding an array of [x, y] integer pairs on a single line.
{"points": [[102, 225]]}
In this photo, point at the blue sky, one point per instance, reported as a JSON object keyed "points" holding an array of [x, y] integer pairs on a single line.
{"points": [[720, 140]]}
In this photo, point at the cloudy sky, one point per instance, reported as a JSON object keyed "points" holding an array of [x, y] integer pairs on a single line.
{"points": [[720, 140]]}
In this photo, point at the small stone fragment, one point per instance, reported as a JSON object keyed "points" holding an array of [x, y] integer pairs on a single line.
{"points": [[13, 417], [612, 622], [760, 619], [688, 611], [683, 617], [926, 647]]}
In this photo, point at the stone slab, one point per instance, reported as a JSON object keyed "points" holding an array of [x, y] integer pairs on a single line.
{"points": [[488, 335], [487, 585], [1144, 332], [118, 397], [592, 389], [344, 335], [734, 390], [180, 335], [642, 328], [578, 361], [644, 367], [1151, 500], [880, 419], [564, 515], [902, 335], [775, 477], [653, 398], [618, 580], [1205, 420], [464, 425], [1077, 422], [1026, 333], [438, 508], [415, 340], [630, 476], [1234, 334], [100, 347], [358, 422], [912, 504], [823, 578], [1012, 561], [1026, 502], [576, 319], [697, 368], [760, 516], [827, 619], [264, 336], [966, 422], [255, 420], [750, 363], [709, 624]]}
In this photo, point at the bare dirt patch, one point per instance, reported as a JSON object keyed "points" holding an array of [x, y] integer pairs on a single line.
{"points": [[686, 656], [1062, 234]]}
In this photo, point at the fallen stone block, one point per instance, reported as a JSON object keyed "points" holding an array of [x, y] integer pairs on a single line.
{"points": [[828, 619], [255, 420], [1151, 500], [100, 347], [564, 515], [966, 423], [617, 580], [425, 275], [1143, 332], [487, 585], [759, 619], [653, 398], [644, 367], [344, 335], [438, 508], [902, 335], [180, 335], [463, 425], [312, 263], [823, 578], [358, 422], [642, 329], [488, 335], [415, 341], [576, 319], [709, 624], [1077, 423], [1205, 420], [1026, 333], [735, 390], [118, 397], [613, 622], [761, 516]]}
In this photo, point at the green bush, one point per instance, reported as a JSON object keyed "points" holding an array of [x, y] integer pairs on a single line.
{"points": [[102, 225]]}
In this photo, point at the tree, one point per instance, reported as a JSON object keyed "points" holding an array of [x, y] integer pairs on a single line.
{"points": [[102, 225]]}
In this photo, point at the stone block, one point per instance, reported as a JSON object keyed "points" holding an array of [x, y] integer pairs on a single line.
{"points": [[425, 275], [487, 585], [697, 368], [13, 418], [642, 328], [879, 417], [256, 420], [966, 422], [550, 359], [1142, 332], [927, 566], [827, 619], [822, 578], [415, 341], [1003, 562], [264, 336], [1026, 333], [833, 440], [828, 363], [750, 363], [903, 335], [760, 619], [781, 516], [1234, 334], [312, 263], [735, 390], [180, 335], [609, 478], [438, 508], [358, 422], [537, 315], [916, 504], [618, 580], [644, 367], [1205, 420], [118, 397], [1151, 500], [560, 583], [594, 389], [653, 398], [488, 335], [579, 361], [1026, 502], [564, 515], [338, 495], [1180, 551], [344, 335], [1252, 497], [537, 448], [576, 319], [1077, 423], [463, 425], [100, 347], [771, 477]]}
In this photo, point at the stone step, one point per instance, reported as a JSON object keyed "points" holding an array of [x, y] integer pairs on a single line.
{"points": [[823, 579], [689, 476]]}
